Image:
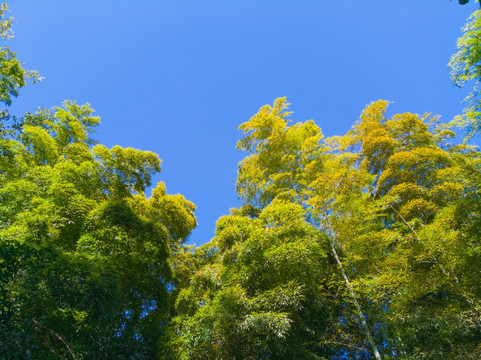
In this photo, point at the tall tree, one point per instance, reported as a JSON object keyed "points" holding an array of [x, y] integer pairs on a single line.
{"points": [[393, 209], [302, 157], [88, 252], [276, 275], [406, 245], [84, 254]]}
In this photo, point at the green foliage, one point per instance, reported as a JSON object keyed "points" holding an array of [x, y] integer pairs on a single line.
{"points": [[84, 254], [12, 75], [282, 156], [258, 297], [355, 246], [407, 253], [465, 68]]}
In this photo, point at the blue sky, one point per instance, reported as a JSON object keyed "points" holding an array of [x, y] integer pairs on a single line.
{"points": [[178, 77]]}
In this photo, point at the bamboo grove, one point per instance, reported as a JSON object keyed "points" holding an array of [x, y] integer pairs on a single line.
{"points": [[360, 246]]}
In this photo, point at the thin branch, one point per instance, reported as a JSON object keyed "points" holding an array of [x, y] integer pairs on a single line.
{"points": [[58, 337], [356, 304], [419, 239], [364, 324]]}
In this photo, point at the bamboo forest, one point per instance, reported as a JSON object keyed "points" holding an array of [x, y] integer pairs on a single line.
{"points": [[364, 245]]}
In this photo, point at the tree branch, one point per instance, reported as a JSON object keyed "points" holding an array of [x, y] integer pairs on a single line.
{"points": [[58, 337]]}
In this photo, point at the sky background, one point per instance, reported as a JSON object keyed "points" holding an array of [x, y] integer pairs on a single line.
{"points": [[178, 77]]}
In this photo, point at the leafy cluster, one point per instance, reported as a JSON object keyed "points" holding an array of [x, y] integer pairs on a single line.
{"points": [[364, 245], [84, 254]]}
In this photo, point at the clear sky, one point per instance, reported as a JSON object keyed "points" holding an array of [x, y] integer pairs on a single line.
{"points": [[178, 77]]}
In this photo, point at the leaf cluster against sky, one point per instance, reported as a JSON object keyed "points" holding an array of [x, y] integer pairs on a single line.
{"points": [[179, 77]]}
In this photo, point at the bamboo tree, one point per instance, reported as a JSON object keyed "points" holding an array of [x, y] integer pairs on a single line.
{"points": [[362, 317]]}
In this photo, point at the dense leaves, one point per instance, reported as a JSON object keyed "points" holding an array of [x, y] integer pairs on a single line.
{"points": [[91, 269], [258, 296], [84, 254], [358, 246], [364, 245], [465, 68]]}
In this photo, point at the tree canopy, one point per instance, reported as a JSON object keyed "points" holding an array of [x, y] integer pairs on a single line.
{"points": [[358, 246], [84, 253], [362, 245]]}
